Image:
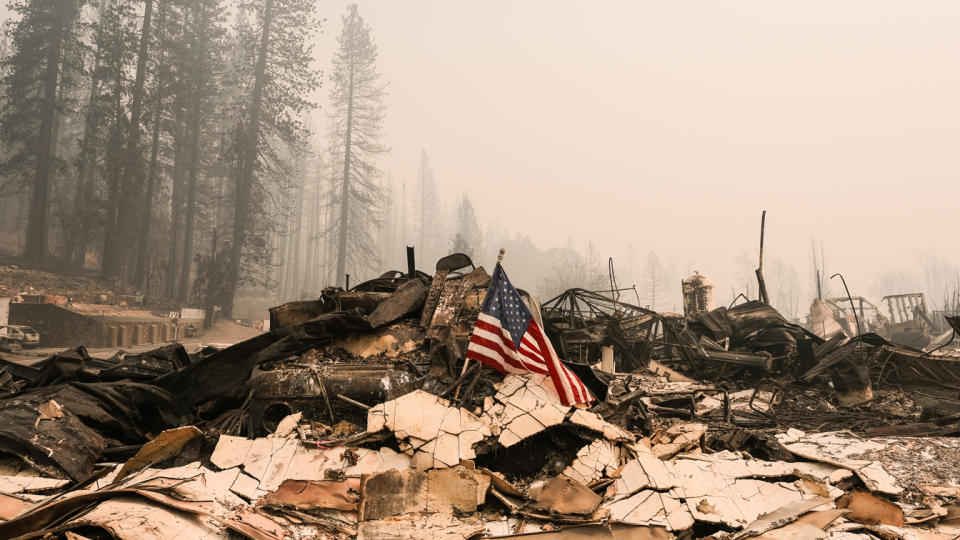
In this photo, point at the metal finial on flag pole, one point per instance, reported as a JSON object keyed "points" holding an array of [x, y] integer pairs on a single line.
{"points": [[500, 256]]}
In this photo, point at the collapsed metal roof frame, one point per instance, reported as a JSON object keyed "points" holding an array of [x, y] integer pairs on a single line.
{"points": [[584, 305]]}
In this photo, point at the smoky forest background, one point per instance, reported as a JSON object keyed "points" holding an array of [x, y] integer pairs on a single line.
{"points": [[203, 153]]}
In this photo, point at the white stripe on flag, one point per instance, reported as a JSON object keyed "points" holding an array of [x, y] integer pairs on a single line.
{"points": [[522, 359], [531, 355]]}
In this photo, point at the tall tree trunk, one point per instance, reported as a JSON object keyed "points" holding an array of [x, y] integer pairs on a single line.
{"points": [[176, 198], [83, 197], [131, 181], [295, 269], [114, 159], [35, 248], [52, 194], [309, 272], [249, 150], [345, 188], [191, 214], [142, 272]]}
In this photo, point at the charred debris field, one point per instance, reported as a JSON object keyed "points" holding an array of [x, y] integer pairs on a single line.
{"points": [[367, 413], [171, 171]]}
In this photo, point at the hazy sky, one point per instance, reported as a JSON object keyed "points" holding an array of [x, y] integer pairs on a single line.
{"points": [[671, 125]]}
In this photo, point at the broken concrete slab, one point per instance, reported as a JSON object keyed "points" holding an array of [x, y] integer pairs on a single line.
{"points": [[11, 507], [676, 439], [843, 449], [11, 485], [271, 461], [597, 460], [717, 488], [308, 495], [651, 508], [611, 531], [435, 433], [786, 514], [594, 422], [134, 520], [523, 406], [420, 527], [644, 472], [394, 493]]}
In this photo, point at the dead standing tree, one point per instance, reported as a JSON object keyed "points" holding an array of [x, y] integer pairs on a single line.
{"points": [[356, 96]]}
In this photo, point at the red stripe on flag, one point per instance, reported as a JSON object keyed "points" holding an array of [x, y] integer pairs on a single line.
{"points": [[507, 340], [580, 394], [536, 367]]}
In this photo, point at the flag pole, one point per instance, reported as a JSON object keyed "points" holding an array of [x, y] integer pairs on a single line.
{"points": [[456, 394]]}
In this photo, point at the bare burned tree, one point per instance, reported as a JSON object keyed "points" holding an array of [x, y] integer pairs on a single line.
{"points": [[356, 97]]}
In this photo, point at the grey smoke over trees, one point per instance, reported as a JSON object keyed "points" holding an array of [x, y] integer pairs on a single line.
{"points": [[38, 72], [653, 291], [159, 135], [175, 145], [427, 211], [467, 237], [356, 96]]}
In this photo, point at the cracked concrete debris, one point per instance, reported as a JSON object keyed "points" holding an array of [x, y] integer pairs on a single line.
{"points": [[12, 485], [134, 520], [265, 463], [421, 527], [310, 495], [718, 488], [594, 422], [790, 514], [679, 438], [395, 493], [522, 407], [654, 508], [595, 461], [843, 449], [434, 433]]}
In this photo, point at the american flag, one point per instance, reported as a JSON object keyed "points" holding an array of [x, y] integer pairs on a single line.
{"points": [[508, 339]]}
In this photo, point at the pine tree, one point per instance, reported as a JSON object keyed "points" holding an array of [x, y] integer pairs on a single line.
{"points": [[117, 35], [357, 106], [272, 124], [120, 245], [654, 288], [467, 236], [141, 276], [44, 41], [426, 208], [202, 76]]}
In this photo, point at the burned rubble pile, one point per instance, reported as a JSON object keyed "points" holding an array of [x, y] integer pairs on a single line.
{"points": [[357, 416]]}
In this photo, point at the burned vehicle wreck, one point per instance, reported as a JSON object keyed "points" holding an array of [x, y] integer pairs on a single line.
{"points": [[358, 416]]}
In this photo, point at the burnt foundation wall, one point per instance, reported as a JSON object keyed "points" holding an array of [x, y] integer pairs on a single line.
{"points": [[60, 327]]}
